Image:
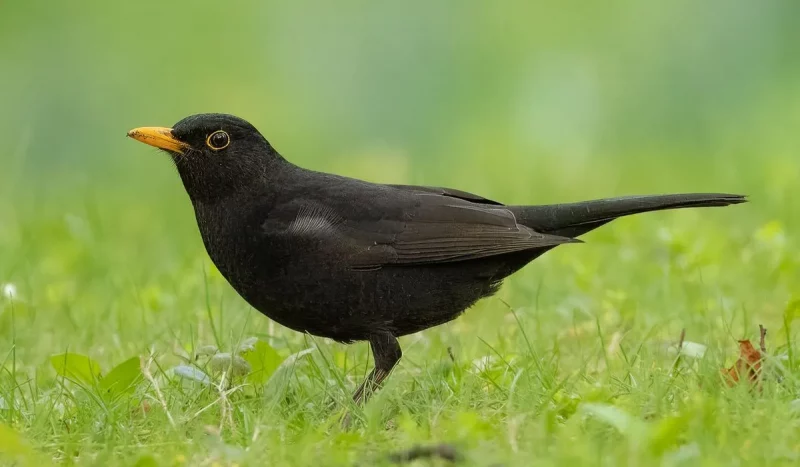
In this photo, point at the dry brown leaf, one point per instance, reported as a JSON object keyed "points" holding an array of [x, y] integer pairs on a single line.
{"points": [[748, 365]]}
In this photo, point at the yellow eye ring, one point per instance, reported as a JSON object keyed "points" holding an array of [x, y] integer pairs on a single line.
{"points": [[218, 140]]}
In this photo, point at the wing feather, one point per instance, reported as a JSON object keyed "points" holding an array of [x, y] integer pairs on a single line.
{"points": [[443, 232], [427, 244], [369, 226]]}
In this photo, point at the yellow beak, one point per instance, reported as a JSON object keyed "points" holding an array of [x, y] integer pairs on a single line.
{"points": [[158, 137]]}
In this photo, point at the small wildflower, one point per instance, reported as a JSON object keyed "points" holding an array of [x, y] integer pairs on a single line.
{"points": [[9, 291]]}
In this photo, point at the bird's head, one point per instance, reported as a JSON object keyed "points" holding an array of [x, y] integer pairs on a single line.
{"points": [[216, 154]]}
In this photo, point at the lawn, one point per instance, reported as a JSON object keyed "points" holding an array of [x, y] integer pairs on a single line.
{"points": [[124, 346], [121, 344]]}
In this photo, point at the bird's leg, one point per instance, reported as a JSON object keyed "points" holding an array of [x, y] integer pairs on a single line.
{"points": [[386, 353]]}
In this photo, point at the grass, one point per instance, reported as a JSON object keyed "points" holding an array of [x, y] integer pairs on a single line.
{"points": [[573, 361]]}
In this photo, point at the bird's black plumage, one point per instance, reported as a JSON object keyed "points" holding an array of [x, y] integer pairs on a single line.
{"points": [[351, 260]]}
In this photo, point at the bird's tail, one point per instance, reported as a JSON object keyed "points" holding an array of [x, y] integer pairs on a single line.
{"points": [[575, 219]]}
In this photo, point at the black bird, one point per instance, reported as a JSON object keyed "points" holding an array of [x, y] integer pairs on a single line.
{"points": [[350, 260]]}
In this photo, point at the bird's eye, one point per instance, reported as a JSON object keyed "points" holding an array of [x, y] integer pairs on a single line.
{"points": [[218, 140]]}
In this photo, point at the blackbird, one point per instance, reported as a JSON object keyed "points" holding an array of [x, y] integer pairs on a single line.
{"points": [[350, 260]]}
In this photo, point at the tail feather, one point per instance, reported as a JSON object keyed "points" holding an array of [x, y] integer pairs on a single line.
{"points": [[575, 219]]}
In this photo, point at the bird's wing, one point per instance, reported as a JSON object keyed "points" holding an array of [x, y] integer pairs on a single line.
{"points": [[450, 192], [445, 233], [411, 227]]}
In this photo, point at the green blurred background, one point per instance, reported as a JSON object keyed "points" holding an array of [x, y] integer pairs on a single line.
{"points": [[524, 102], [519, 101], [436, 89]]}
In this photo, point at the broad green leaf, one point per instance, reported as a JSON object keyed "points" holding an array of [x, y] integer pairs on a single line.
{"points": [[263, 360], [121, 378], [77, 367]]}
